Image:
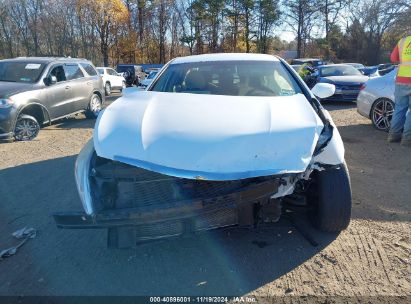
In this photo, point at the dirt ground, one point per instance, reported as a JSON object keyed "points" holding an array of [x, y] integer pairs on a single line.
{"points": [[368, 261]]}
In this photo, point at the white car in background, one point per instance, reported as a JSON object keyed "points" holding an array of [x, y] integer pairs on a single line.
{"points": [[111, 79], [376, 100]]}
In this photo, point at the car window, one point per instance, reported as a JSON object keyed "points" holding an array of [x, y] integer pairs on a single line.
{"points": [[339, 71], [100, 71], [111, 72], [58, 72], [235, 78], [73, 71], [89, 69], [20, 71]]}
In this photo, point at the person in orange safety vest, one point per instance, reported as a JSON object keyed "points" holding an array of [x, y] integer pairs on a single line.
{"points": [[401, 119]]}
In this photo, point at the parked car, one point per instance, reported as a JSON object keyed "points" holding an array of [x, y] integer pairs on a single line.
{"points": [[133, 74], [385, 68], [376, 100], [307, 72], [358, 66], [371, 71], [38, 90], [111, 80], [315, 62], [149, 79], [193, 155], [347, 80], [148, 67]]}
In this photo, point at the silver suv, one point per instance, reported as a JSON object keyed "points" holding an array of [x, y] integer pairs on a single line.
{"points": [[38, 90]]}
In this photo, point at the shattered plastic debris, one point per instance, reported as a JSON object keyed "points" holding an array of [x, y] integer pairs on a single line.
{"points": [[24, 234]]}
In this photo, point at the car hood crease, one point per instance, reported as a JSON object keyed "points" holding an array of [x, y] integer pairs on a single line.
{"points": [[211, 137]]}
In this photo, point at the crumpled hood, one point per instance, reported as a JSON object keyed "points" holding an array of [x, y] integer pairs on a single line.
{"points": [[360, 79], [10, 88], [209, 136]]}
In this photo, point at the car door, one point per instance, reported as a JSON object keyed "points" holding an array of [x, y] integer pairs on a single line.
{"points": [[116, 81], [57, 97], [80, 87]]}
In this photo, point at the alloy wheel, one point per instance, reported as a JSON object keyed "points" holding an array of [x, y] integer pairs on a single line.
{"points": [[95, 105], [26, 128], [382, 113]]}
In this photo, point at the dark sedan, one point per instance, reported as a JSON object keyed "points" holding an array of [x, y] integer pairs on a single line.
{"points": [[347, 80]]}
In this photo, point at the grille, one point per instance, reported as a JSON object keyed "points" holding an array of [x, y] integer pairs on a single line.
{"points": [[136, 187], [220, 218]]}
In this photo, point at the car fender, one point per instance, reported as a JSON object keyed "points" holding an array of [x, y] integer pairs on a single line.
{"points": [[30, 103], [333, 153], [32, 97]]}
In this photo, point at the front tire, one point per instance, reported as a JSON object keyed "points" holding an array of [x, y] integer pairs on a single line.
{"points": [[27, 128], [94, 107], [331, 199], [107, 88]]}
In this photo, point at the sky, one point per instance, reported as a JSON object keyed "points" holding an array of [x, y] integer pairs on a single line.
{"points": [[287, 35]]}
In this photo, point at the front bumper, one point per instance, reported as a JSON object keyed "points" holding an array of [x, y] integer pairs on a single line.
{"points": [[6, 135], [7, 119], [236, 208], [343, 97]]}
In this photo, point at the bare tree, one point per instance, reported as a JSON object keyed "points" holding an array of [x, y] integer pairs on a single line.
{"points": [[300, 17]]}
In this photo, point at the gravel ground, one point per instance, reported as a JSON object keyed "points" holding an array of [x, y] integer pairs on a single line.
{"points": [[369, 260]]}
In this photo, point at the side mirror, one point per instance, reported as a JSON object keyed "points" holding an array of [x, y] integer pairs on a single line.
{"points": [[53, 79], [50, 80], [323, 90]]}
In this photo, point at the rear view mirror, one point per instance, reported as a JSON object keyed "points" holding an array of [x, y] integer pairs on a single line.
{"points": [[323, 90]]}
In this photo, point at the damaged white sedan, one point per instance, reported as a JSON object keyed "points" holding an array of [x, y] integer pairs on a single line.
{"points": [[216, 140]]}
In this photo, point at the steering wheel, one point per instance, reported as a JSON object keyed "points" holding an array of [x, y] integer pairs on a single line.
{"points": [[259, 91]]}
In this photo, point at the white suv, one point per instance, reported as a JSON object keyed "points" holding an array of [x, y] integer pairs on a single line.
{"points": [[111, 79]]}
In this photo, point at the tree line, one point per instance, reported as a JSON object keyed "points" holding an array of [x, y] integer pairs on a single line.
{"points": [[154, 31]]}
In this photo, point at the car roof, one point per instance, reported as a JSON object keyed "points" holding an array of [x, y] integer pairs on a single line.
{"points": [[128, 64], [225, 57], [335, 65], [46, 60], [307, 59]]}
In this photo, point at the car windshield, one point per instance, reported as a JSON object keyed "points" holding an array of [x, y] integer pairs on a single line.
{"points": [[235, 78], [342, 70], [20, 71]]}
